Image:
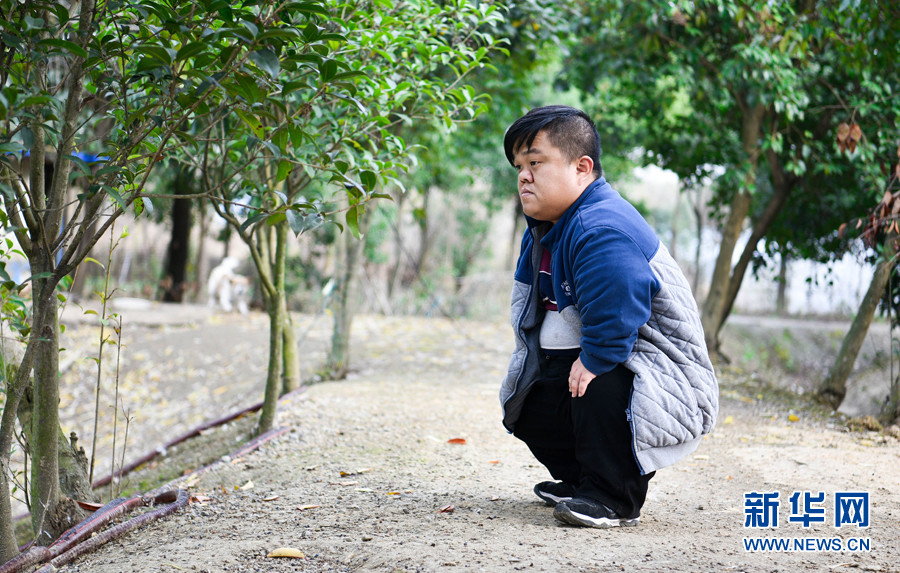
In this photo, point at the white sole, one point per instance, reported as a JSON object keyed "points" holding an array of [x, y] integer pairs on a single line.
{"points": [[552, 500], [566, 515]]}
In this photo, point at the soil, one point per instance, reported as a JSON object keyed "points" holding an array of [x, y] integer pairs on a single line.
{"points": [[373, 474]]}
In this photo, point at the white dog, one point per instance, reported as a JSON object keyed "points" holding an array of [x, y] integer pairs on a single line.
{"points": [[228, 288]]}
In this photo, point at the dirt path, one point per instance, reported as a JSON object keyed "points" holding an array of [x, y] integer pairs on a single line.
{"points": [[369, 462]]}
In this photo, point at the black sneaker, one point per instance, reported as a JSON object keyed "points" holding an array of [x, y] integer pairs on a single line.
{"points": [[589, 513], [553, 492]]}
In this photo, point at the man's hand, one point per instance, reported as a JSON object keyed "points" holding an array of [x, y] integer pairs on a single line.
{"points": [[579, 378]]}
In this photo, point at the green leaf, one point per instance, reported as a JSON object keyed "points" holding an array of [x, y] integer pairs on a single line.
{"points": [[62, 14], [301, 223], [297, 136], [328, 69], [115, 195], [276, 218], [281, 138], [37, 100], [267, 61], [251, 121], [65, 45], [190, 50], [368, 179], [158, 53], [307, 8], [284, 169], [353, 221], [252, 220], [38, 276], [288, 33], [95, 261]]}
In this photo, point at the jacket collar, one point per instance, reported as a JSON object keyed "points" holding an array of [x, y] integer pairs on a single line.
{"points": [[549, 233]]}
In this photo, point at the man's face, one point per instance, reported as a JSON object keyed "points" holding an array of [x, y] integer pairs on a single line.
{"points": [[548, 182]]}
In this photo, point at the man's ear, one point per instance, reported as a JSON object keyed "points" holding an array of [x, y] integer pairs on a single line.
{"points": [[584, 166]]}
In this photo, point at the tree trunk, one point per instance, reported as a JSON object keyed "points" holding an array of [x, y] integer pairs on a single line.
{"points": [[178, 253], [290, 379], [698, 250], [16, 380], [45, 424], [396, 271], [8, 546], [782, 188], [715, 302], [781, 299], [200, 270], [344, 301], [892, 411], [515, 238], [73, 463], [834, 387], [718, 286], [425, 239], [276, 331], [673, 242]]}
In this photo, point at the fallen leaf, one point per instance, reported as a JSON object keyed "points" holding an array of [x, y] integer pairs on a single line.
{"points": [[793, 418], [201, 499], [344, 483], [495, 498], [246, 486], [459, 441], [448, 509], [728, 420], [357, 472], [287, 552], [88, 506], [270, 498], [393, 493], [310, 506], [494, 462]]}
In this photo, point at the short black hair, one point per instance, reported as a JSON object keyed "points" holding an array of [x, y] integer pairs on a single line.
{"points": [[569, 129]]}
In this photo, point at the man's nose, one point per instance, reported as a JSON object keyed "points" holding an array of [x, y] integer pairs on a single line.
{"points": [[525, 175]]}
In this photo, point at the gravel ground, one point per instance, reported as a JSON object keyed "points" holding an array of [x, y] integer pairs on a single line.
{"points": [[367, 478]]}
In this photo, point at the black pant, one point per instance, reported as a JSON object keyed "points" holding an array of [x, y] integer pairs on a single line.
{"points": [[585, 441]]}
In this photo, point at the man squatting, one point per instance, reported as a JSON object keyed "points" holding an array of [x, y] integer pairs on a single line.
{"points": [[610, 379]]}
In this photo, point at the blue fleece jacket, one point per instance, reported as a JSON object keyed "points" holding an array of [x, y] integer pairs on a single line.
{"points": [[601, 248]]}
